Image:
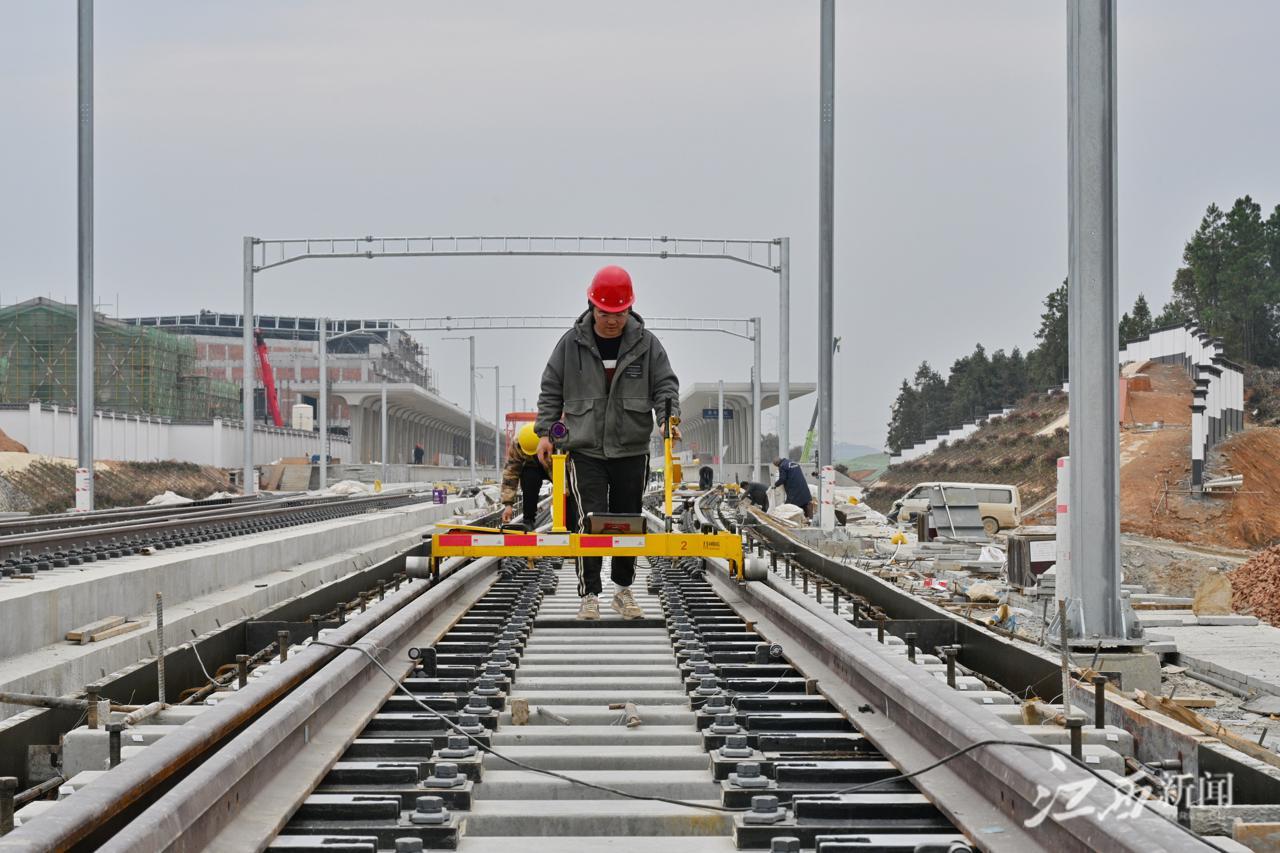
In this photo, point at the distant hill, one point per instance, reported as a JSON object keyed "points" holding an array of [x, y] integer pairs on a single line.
{"points": [[843, 451], [867, 469]]}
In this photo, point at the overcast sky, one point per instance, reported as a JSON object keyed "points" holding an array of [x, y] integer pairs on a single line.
{"points": [[324, 118]]}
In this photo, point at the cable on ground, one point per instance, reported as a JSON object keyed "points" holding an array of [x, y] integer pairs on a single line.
{"points": [[479, 744]]}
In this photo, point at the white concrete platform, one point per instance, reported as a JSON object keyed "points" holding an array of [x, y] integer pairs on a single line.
{"points": [[204, 586], [1246, 656]]}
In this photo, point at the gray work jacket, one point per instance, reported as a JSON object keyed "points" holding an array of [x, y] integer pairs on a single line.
{"points": [[613, 421]]}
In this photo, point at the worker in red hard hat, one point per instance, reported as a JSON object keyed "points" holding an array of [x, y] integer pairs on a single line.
{"points": [[607, 378]]}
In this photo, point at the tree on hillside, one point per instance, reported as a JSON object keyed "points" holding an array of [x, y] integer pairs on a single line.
{"points": [[933, 398], [1231, 279], [1179, 309], [1009, 379], [1136, 323], [1048, 361], [905, 419], [970, 386]]}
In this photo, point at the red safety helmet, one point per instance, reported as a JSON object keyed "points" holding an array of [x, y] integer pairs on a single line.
{"points": [[611, 290]]}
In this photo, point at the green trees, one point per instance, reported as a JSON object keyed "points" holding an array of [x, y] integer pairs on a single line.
{"points": [[1230, 281], [1229, 285], [1138, 322], [1048, 361]]}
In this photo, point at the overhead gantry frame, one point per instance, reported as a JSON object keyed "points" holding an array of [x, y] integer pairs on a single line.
{"points": [[774, 255]]}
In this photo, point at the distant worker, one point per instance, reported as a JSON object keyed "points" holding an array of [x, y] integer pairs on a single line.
{"points": [[609, 376], [418, 454], [796, 487], [757, 493], [523, 471]]}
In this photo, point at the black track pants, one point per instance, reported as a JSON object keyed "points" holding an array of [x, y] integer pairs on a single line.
{"points": [[606, 485], [531, 477]]}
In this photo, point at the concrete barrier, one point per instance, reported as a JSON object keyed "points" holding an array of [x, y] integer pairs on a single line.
{"points": [[203, 586]]}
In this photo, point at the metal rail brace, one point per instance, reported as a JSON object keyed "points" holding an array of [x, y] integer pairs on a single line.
{"points": [[491, 542]]}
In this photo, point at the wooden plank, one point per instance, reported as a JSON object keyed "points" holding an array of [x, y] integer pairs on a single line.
{"points": [[1209, 727], [1196, 701], [81, 635], [116, 631]]}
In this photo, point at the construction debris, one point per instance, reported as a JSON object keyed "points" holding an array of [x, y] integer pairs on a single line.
{"points": [[1213, 598], [1256, 586]]}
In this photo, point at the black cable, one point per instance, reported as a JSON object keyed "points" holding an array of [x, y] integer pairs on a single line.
{"points": [[999, 742], [490, 750]]}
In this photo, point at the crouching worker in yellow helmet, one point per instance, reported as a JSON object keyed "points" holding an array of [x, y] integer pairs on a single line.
{"points": [[525, 472]]}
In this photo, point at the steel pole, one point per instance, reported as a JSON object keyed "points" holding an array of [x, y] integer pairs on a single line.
{"points": [[1092, 311], [784, 345], [826, 209], [471, 344], [755, 399], [720, 436], [384, 431], [497, 418], [84, 307], [324, 403], [250, 484]]}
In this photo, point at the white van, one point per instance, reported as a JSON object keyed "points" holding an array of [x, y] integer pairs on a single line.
{"points": [[1000, 505]]}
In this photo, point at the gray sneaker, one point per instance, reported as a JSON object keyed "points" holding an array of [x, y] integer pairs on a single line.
{"points": [[625, 604], [590, 609]]}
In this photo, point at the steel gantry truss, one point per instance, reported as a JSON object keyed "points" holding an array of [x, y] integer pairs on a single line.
{"points": [[774, 255], [746, 328]]}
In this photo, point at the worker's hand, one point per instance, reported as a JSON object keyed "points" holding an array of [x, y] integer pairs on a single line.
{"points": [[507, 512], [675, 432], [544, 451]]}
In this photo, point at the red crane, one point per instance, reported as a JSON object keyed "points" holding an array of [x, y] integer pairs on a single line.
{"points": [[268, 378]]}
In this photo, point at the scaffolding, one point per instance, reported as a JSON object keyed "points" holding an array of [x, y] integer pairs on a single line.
{"points": [[136, 370]]}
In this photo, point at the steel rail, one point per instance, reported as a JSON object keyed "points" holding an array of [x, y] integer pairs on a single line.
{"points": [[86, 821], [54, 521], [241, 797], [23, 545], [992, 793]]}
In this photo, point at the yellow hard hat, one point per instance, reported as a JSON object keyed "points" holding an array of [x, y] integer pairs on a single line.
{"points": [[528, 440]]}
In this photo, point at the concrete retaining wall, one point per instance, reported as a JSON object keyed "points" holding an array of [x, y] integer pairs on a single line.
{"points": [[203, 586]]}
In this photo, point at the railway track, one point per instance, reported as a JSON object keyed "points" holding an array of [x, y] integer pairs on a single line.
{"points": [[30, 547], [476, 713]]}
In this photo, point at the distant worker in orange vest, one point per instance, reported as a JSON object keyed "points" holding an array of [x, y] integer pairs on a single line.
{"points": [[608, 377]]}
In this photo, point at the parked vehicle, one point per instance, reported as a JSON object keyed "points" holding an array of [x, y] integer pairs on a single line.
{"points": [[1000, 504]]}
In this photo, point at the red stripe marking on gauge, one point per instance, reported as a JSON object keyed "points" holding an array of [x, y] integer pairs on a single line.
{"points": [[596, 541], [521, 539], [455, 540]]}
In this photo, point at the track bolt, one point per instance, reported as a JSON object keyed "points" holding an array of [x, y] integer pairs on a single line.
{"points": [[725, 724], [707, 687], [430, 810], [445, 776], [764, 809], [748, 776], [470, 724], [114, 731], [485, 687], [1075, 725], [459, 747], [735, 746]]}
